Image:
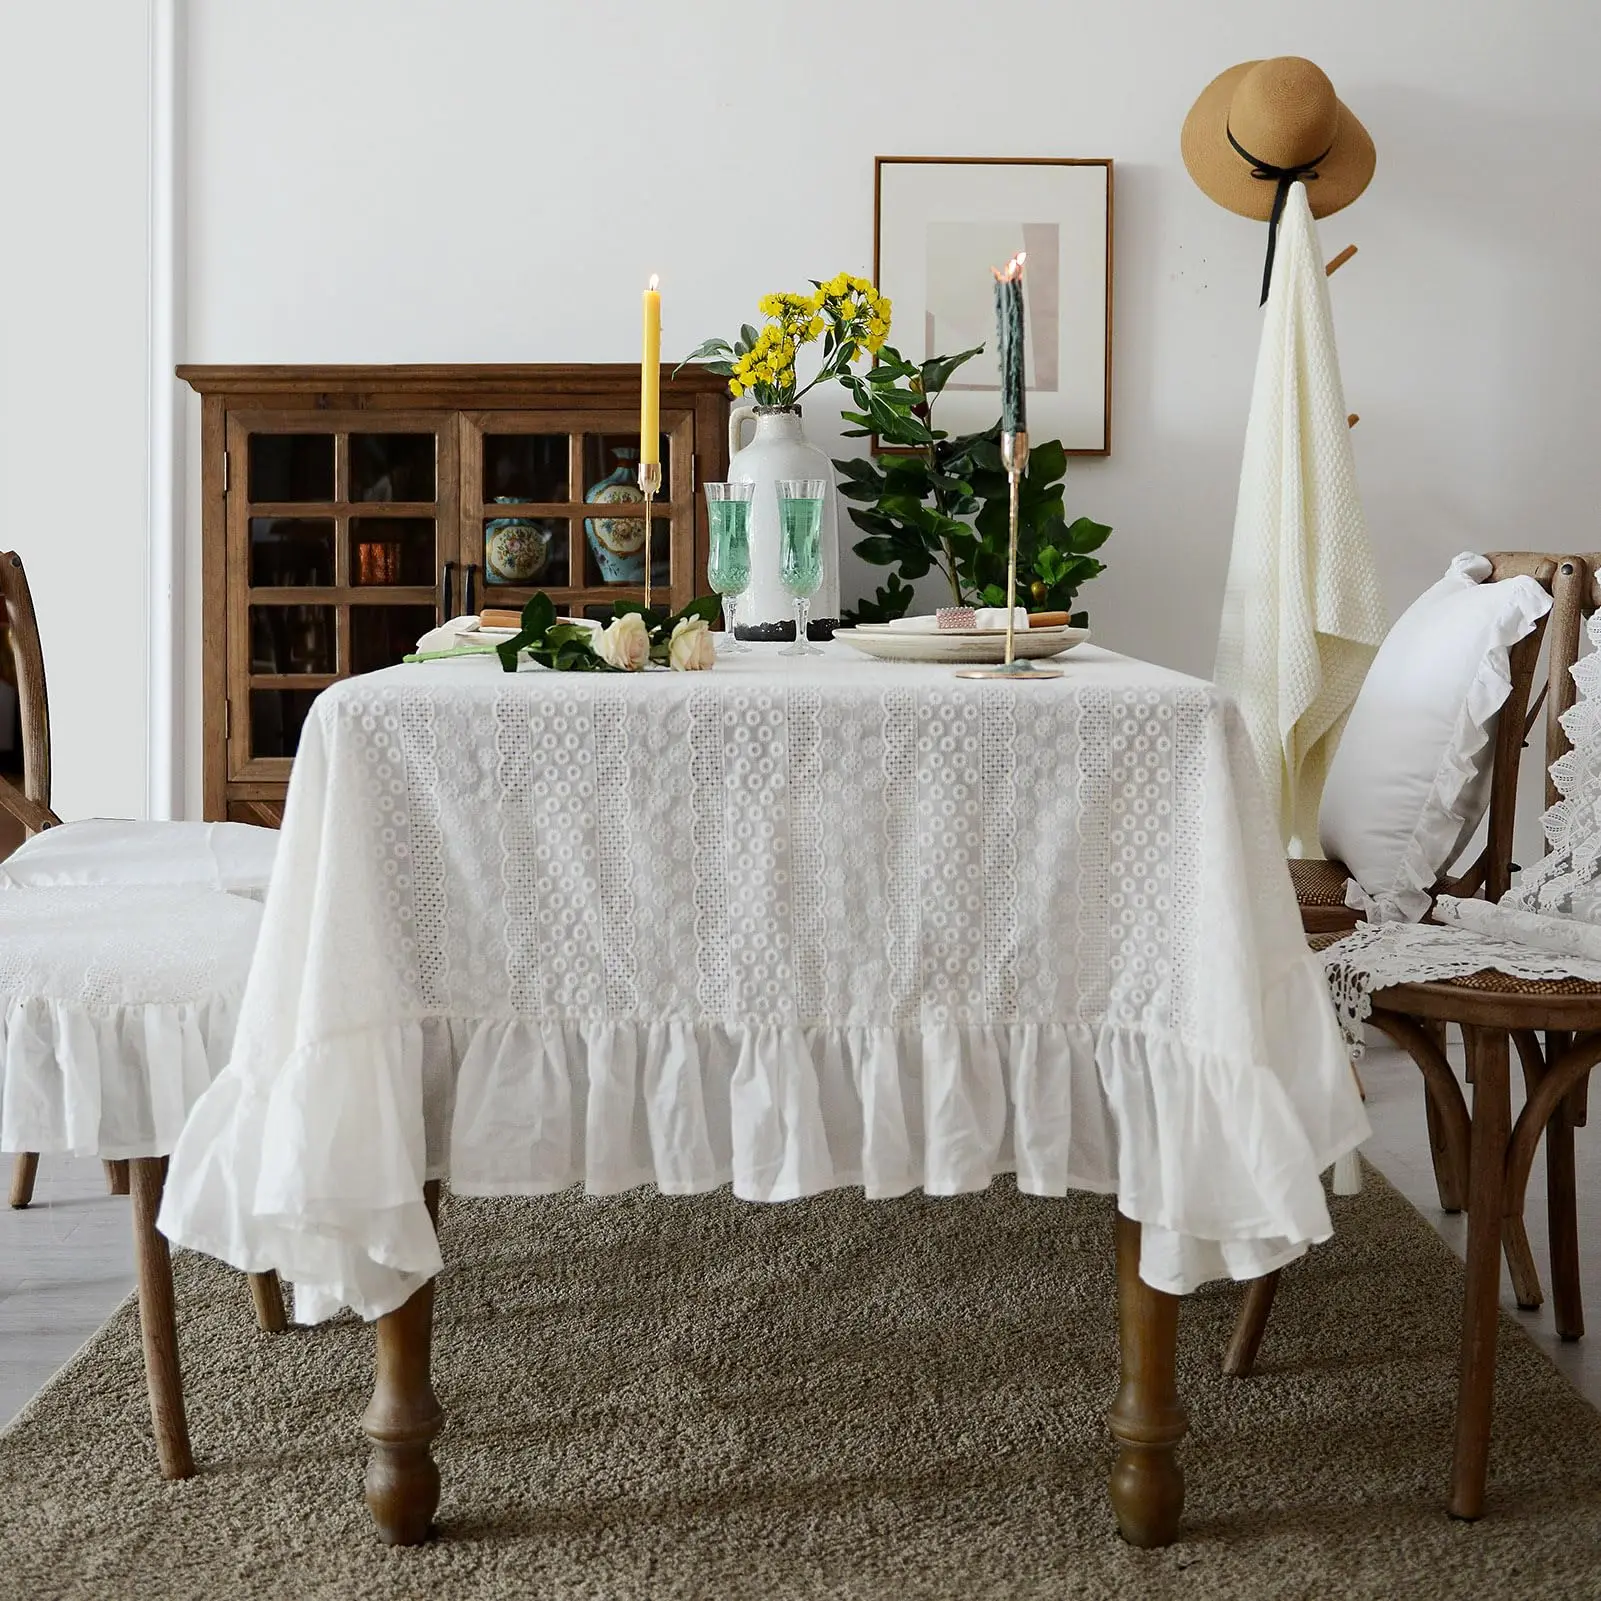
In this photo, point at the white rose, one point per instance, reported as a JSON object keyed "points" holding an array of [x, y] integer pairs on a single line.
{"points": [[624, 642], [691, 650]]}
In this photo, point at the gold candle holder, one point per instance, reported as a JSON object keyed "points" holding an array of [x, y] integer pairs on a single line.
{"points": [[650, 480], [1014, 458]]}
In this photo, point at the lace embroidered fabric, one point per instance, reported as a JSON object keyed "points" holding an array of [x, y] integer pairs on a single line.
{"points": [[790, 925], [1547, 926]]}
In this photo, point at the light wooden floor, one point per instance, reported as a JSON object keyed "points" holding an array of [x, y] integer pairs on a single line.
{"points": [[67, 1261]]}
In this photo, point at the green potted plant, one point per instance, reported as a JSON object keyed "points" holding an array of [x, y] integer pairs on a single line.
{"points": [[931, 501]]}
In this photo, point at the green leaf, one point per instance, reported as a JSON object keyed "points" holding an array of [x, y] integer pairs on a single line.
{"points": [[890, 600], [538, 614], [1047, 462], [509, 649], [936, 371], [1086, 535], [748, 334], [706, 607], [709, 347]]}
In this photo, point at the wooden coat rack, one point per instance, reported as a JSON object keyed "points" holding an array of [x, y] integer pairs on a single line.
{"points": [[1328, 272]]}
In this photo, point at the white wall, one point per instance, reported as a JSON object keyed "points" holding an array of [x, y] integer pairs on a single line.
{"points": [[491, 180], [74, 118]]}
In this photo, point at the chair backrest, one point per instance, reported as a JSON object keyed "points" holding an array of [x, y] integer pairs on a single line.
{"points": [[1568, 580], [29, 804]]}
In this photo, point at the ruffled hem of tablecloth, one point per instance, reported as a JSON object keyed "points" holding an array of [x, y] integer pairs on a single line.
{"points": [[110, 1081], [1215, 1154]]}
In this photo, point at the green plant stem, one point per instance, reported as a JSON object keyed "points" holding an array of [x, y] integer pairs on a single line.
{"points": [[442, 655]]}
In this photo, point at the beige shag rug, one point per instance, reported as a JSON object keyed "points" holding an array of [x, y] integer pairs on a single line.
{"points": [[662, 1399]]}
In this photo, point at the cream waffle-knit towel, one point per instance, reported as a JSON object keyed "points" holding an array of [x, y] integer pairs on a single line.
{"points": [[1303, 614]]}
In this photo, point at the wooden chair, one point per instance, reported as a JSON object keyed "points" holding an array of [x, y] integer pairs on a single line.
{"points": [[1320, 884], [1482, 1157], [120, 843]]}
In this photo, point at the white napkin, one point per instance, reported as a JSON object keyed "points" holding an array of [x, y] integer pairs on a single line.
{"points": [[995, 617], [984, 617]]}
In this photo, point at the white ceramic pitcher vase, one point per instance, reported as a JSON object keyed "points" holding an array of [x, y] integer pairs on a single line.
{"points": [[777, 449]]}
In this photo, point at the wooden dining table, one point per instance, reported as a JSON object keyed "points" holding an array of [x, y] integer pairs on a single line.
{"points": [[789, 925]]}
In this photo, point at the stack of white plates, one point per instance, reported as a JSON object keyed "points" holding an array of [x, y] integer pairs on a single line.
{"points": [[959, 645]]}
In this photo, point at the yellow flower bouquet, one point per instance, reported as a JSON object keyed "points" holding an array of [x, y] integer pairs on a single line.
{"points": [[847, 314]]}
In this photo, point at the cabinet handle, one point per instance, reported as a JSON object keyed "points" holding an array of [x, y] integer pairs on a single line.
{"points": [[471, 589], [447, 608]]}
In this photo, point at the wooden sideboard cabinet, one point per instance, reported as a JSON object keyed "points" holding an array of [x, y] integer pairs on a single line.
{"points": [[347, 510]]}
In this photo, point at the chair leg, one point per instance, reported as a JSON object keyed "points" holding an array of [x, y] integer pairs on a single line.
{"points": [[116, 1177], [23, 1171], [1447, 1181], [1520, 1264], [267, 1296], [1239, 1361], [1562, 1223], [158, 1321], [1492, 1123]]}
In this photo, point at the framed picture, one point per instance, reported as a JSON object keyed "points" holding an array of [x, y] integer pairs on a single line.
{"points": [[941, 222]]}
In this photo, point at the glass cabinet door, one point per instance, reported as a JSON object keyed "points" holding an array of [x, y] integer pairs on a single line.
{"points": [[340, 527], [551, 501]]}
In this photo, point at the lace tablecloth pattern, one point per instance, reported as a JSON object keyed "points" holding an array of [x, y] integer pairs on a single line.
{"points": [[790, 924]]}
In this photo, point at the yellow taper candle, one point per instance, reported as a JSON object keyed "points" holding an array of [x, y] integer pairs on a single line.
{"points": [[650, 377]]}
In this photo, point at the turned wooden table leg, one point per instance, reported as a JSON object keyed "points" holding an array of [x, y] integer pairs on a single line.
{"points": [[23, 1172], [117, 1179], [403, 1418], [158, 1322], [1147, 1419]]}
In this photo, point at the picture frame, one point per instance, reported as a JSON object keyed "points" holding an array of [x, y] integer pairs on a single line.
{"points": [[941, 222]]}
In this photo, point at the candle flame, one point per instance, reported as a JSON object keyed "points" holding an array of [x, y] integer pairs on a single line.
{"points": [[654, 280], [1013, 270]]}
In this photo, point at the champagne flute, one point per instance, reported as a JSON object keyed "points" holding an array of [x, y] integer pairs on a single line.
{"points": [[728, 561], [800, 520]]}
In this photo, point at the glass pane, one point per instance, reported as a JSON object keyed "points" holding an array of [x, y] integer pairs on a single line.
{"points": [[291, 552], [381, 635], [276, 717], [611, 468], [292, 639], [527, 551], [614, 549], [525, 467], [291, 467], [392, 467], [392, 550]]}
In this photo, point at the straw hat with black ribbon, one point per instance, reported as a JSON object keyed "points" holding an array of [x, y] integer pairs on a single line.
{"points": [[1263, 125]]}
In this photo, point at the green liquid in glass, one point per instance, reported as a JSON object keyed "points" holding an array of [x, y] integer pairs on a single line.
{"points": [[801, 552], [728, 565]]}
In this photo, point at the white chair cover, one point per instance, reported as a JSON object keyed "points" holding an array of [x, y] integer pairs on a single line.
{"points": [[118, 1008]]}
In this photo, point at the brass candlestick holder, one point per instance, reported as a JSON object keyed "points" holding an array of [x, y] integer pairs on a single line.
{"points": [[1014, 458], [650, 480]]}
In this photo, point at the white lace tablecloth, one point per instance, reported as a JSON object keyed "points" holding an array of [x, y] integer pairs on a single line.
{"points": [[792, 923]]}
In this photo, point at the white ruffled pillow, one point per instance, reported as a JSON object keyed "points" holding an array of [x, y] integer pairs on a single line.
{"points": [[1411, 777]]}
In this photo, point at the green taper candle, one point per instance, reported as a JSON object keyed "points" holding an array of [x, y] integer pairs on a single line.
{"points": [[1009, 344]]}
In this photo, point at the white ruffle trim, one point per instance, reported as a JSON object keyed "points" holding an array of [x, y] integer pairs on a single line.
{"points": [[113, 1081], [318, 1174], [1450, 811]]}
